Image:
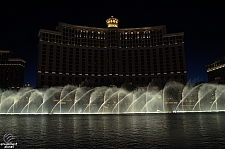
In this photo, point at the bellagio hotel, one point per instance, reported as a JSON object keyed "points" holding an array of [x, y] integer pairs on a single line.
{"points": [[109, 56]]}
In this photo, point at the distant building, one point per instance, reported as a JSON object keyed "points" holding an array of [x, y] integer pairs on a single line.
{"points": [[11, 70], [109, 56], [216, 71]]}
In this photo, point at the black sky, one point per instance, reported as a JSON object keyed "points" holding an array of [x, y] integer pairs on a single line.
{"points": [[202, 23]]}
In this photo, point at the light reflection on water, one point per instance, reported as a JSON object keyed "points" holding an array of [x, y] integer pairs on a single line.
{"points": [[191, 130]]}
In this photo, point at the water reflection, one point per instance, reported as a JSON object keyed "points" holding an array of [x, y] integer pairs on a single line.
{"points": [[117, 131]]}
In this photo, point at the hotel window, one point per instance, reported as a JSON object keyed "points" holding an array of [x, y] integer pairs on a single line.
{"points": [[42, 77]]}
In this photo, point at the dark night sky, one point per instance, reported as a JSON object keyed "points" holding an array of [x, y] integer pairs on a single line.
{"points": [[202, 23]]}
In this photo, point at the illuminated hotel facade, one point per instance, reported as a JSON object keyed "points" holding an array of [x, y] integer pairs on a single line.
{"points": [[109, 56], [216, 70], [11, 70]]}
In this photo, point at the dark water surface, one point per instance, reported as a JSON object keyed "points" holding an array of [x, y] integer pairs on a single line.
{"points": [[190, 130]]}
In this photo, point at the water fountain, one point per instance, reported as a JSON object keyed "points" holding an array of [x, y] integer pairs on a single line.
{"points": [[174, 97]]}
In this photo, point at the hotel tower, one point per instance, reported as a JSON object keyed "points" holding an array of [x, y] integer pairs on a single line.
{"points": [[109, 56]]}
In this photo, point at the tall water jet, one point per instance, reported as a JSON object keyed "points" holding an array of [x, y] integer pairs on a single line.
{"points": [[139, 101], [108, 99], [7, 99], [220, 90], [81, 93], [23, 96], [65, 97], [107, 94], [172, 95], [124, 94], [98, 93], [36, 99], [49, 93], [204, 90], [154, 102], [188, 90]]}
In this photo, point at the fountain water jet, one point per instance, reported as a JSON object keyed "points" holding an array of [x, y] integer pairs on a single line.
{"points": [[218, 93], [46, 96], [107, 100], [118, 103], [112, 100], [187, 96], [62, 98], [203, 89], [152, 100], [80, 99], [94, 95]]}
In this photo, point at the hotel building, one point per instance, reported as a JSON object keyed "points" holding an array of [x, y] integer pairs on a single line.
{"points": [[109, 56], [11, 70], [216, 70]]}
